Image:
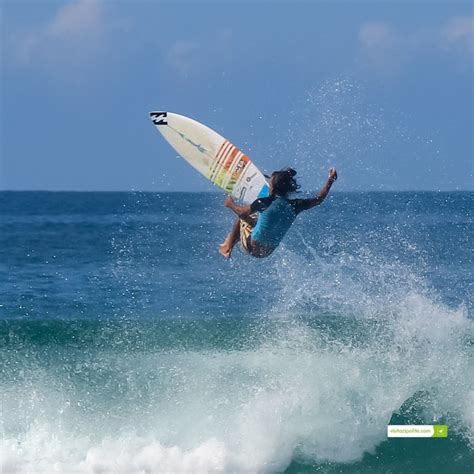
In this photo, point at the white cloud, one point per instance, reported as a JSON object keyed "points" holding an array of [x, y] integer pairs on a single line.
{"points": [[184, 56], [199, 56], [385, 50], [376, 35], [79, 18], [380, 47], [458, 34], [67, 38]]}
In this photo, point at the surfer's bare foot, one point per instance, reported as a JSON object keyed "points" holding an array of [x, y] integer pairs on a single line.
{"points": [[225, 250]]}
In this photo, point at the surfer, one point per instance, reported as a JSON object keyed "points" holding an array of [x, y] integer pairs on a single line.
{"points": [[261, 234]]}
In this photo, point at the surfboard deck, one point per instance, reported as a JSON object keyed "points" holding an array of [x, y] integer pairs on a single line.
{"points": [[213, 156]]}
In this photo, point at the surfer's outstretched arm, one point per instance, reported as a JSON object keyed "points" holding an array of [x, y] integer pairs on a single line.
{"points": [[321, 196]]}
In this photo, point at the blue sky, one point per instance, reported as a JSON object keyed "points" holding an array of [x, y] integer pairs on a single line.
{"points": [[381, 90]]}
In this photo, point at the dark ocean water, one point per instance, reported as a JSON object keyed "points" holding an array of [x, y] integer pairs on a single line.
{"points": [[127, 344]]}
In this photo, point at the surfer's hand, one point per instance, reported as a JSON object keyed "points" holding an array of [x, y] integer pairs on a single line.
{"points": [[228, 202], [332, 174]]}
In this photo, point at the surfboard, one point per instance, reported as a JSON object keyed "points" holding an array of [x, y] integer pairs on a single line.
{"points": [[213, 156]]}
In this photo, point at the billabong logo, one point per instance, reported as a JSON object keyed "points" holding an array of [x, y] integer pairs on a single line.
{"points": [[159, 118]]}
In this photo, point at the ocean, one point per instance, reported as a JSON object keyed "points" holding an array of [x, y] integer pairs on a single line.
{"points": [[129, 345]]}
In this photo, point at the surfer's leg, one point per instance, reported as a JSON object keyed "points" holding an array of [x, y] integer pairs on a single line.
{"points": [[225, 249]]}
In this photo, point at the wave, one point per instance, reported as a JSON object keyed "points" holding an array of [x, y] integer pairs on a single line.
{"points": [[353, 342]]}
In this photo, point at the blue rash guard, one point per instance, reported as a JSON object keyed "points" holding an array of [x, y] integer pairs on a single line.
{"points": [[277, 214]]}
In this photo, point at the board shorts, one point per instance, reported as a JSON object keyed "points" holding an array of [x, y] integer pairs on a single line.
{"points": [[249, 247], [246, 227]]}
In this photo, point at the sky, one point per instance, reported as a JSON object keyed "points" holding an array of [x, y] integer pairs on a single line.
{"points": [[381, 90]]}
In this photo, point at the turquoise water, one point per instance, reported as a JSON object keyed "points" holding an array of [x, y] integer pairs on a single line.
{"points": [[127, 344]]}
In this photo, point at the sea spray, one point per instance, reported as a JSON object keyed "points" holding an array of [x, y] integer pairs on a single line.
{"points": [[296, 362]]}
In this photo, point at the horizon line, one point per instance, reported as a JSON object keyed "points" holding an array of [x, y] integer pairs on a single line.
{"points": [[222, 192]]}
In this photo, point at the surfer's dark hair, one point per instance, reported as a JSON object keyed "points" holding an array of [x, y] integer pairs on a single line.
{"points": [[284, 182]]}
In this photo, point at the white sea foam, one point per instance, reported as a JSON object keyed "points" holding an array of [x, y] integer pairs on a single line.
{"points": [[124, 454], [300, 392]]}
